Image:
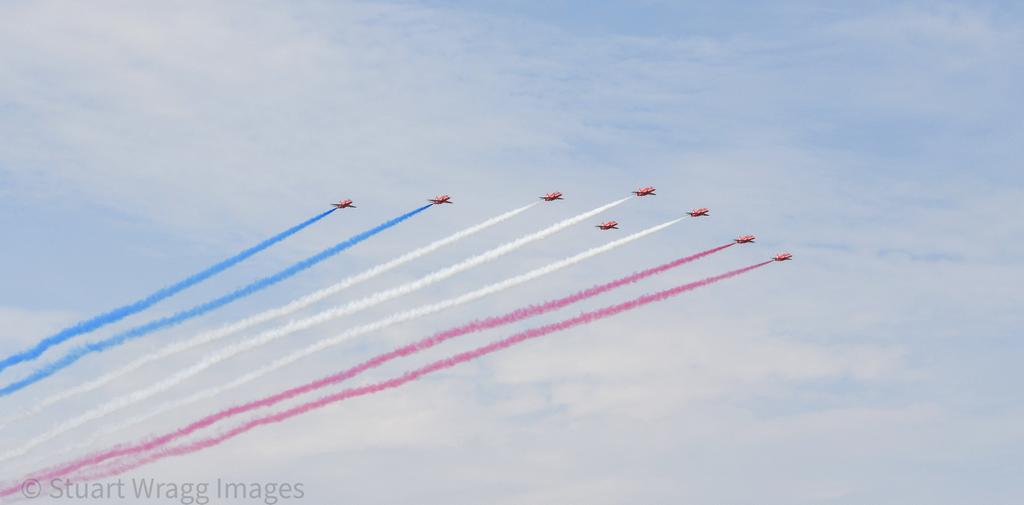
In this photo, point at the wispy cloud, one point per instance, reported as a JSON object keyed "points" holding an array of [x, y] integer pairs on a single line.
{"points": [[838, 131]]}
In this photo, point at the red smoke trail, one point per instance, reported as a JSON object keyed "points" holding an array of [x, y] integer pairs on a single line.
{"points": [[474, 326], [584, 318]]}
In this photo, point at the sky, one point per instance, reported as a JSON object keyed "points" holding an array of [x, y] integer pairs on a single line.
{"points": [[879, 142]]}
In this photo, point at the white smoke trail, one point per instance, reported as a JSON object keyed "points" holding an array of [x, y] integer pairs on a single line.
{"points": [[249, 322], [293, 326], [397, 318]]}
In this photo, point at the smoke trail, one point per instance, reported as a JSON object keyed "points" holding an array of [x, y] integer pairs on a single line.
{"points": [[270, 335], [401, 317], [144, 303], [419, 312], [295, 305], [473, 326], [394, 319], [103, 345], [582, 319]]}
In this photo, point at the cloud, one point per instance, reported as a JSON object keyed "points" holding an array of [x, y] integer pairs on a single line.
{"points": [[870, 141], [21, 325], [258, 106]]}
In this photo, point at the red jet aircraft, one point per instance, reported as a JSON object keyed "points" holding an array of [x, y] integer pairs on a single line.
{"points": [[783, 257], [703, 211], [608, 225], [552, 196], [344, 204], [744, 239], [438, 200], [644, 191]]}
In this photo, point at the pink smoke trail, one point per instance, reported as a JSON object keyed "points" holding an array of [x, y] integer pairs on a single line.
{"points": [[584, 318], [471, 327]]}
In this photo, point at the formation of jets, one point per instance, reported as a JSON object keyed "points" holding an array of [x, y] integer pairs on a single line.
{"points": [[607, 225]]}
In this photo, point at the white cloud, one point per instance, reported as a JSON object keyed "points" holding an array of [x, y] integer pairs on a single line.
{"points": [[20, 326], [879, 147]]}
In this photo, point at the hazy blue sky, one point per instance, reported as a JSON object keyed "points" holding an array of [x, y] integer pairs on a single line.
{"points": [[880, 142]]}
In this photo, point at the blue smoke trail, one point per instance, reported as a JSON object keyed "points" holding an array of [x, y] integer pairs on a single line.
{"points": [[122, 312], [116, 340]]}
